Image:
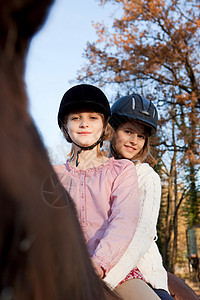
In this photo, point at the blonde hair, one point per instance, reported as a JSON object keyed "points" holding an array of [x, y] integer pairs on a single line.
{"points": [[108, 135]]}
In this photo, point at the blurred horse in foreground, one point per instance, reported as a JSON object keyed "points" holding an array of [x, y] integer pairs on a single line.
{"points": [[42, 251]]}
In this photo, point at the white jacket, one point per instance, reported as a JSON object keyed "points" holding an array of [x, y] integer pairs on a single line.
{"points": [[143, 251]]}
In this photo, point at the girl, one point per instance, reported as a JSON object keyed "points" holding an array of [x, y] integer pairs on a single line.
{"points": [[104, 190], [134, 120]]}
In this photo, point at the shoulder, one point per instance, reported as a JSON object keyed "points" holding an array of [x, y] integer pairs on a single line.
{"points": [[123, 163], [59, 168], [145, 171], [149, 185], [124, 166]]}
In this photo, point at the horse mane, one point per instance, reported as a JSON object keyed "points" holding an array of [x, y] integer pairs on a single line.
{"points": [[42, 251]]}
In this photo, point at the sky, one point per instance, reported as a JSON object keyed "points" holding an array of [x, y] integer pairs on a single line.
{"points": [[54, 57]]}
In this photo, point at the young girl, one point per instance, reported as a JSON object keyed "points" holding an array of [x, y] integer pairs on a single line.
{"points": [[134, 120], [104, 190]]}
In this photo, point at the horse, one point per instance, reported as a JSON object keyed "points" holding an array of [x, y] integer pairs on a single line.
{"points": [[179, 289], [42, 251]]}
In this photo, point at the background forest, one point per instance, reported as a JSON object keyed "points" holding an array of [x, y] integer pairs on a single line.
{"points": [[153, 48]]}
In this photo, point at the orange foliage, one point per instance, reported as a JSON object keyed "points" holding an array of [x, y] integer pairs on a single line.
{"points": [[155, 42]]}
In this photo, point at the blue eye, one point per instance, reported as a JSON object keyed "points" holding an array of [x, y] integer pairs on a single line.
{"points": [[94, 117]]}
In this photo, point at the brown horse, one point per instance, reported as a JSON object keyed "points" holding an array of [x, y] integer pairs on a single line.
{"points": [[179, 289], [42, 252]]}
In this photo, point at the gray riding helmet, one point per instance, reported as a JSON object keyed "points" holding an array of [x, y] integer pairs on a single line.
{"points": [[137, 108]]}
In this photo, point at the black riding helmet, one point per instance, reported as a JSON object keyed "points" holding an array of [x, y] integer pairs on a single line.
{"points": [[83, 95], [137, 108]]}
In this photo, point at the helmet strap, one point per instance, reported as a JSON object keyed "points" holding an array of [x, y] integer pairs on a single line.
{"points": [[77, 155]]}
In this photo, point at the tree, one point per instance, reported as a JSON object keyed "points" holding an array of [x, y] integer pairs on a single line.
{"points": [[153, 48]]}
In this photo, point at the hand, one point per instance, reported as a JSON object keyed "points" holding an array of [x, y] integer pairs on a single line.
{"points": [[99, 271]]}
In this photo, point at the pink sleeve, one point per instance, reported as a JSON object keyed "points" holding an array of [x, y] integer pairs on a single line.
{"points": [[123, 219]]}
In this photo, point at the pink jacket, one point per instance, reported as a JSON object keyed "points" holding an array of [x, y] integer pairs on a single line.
{"points": [[106, 199]]}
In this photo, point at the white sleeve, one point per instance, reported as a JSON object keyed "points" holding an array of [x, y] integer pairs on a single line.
{"points": [[149, 197]]}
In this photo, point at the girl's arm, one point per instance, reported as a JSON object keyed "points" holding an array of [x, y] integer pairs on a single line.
{"points": [[150, 194], [123, 217]]}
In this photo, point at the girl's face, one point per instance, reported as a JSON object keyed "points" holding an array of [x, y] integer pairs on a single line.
{"points": [[130, 139], [84, 127]]}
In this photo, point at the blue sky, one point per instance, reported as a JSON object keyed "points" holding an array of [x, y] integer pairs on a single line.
{"points": [[55, 56], [53, 60]]}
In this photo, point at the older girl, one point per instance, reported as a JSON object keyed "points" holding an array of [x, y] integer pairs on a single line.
{"points": [[134, 119]]}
